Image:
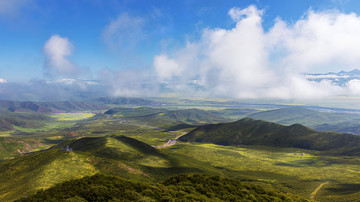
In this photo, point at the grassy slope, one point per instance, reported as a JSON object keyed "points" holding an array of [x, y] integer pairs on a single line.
{"points": [[189, 187], [12, 147], [115, 155], [288, 169], [254, 132], [23, 120]]}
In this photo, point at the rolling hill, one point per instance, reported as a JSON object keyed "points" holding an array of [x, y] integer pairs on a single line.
{"points": [[24, 120], [13, 147], [248, 131], [73, 159]]}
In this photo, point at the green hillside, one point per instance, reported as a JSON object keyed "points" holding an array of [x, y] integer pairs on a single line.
{"points": [[113, 155], [24, 120], [186, 187], [255, 132], [12, 147]]}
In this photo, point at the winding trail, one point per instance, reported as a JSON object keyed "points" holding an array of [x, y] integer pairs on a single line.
{"points": [[312, 196]]}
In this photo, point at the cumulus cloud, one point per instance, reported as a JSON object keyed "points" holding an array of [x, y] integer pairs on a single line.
{"points": [[247, 62], [57, 51]]}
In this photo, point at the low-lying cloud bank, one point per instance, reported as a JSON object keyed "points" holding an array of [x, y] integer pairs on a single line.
{"points": [[248, 62]]}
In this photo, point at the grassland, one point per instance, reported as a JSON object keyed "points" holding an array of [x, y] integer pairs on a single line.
{"points": [[304, 172], [72, 116], [290, 170]]}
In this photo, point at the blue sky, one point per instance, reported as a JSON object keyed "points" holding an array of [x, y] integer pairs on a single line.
{"points": [[89, 39]]}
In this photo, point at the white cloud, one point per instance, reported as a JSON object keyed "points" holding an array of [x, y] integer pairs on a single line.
{"points": [[166, 68], [57, 51], [248, 62], [319, 41], [354, 87], [123, 31], [2, 80]]}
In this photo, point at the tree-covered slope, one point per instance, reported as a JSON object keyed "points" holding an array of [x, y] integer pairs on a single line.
{"points": [[185, 187], [248, 131]]}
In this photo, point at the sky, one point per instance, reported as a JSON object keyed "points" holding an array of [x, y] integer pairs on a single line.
{"points": [[53, 50]]}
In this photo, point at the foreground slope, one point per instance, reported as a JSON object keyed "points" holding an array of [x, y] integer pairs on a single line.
{"points": [[72, 159], [248, 131], [187, 187]]}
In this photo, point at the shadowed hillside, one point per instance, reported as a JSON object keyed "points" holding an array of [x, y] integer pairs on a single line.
{"points": [[255, 132]]}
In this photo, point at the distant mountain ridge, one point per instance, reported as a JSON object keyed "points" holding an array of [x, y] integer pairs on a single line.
{"points": [[164, 117], [248, 131], [322, 121], [303, 115], [125, 101], [48, 107], [339, 78]]}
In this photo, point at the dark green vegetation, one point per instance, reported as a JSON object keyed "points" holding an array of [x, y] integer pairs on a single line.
{"points": [[185, 187], [255, 132], [118, 143]]}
